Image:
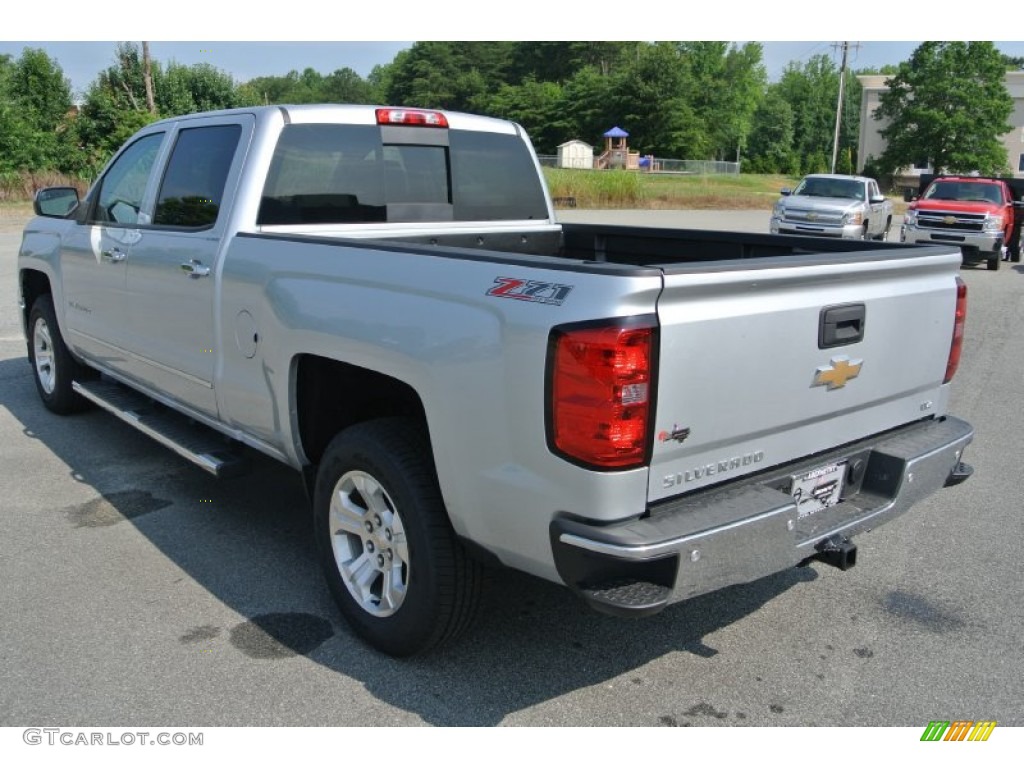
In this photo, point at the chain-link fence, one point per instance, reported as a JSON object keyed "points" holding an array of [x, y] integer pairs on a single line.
{"points": [[701, 167], [661, 165]]}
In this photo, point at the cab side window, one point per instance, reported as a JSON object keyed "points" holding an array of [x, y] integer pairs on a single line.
{"points": [[122, 188], [193, 185]]}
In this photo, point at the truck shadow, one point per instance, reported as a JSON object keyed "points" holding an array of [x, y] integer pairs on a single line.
{"points": [[248, 542]]}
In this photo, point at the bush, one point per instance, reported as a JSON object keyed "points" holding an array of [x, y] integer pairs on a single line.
{"points": [[20, 186], [873, 170]]}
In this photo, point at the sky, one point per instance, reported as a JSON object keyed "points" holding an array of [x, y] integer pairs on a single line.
{"points": [[82, 61], [248, 47]]}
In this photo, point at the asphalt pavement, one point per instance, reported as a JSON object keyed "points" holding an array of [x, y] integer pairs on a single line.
{"points": [[137, 590]]}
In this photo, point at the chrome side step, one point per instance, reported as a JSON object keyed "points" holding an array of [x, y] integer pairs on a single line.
{"points": [[199, 444]]}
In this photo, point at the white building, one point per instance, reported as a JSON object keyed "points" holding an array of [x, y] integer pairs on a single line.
{"points": [[871, 143], [575, 154]]}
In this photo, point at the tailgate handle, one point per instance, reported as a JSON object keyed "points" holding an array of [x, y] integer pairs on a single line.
{"points": [[839, 326]]}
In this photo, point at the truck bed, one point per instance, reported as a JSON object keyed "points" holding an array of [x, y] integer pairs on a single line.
{"points": [[643, 246]]}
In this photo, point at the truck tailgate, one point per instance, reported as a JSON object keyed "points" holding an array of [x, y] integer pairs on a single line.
{"points": [[747, 382]]}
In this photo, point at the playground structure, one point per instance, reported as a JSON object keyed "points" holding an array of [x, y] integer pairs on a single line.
{"points": [[618, 156], [617, 153]]}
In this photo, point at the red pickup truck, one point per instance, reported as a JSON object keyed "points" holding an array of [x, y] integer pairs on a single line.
{"points": [[980, 213]]}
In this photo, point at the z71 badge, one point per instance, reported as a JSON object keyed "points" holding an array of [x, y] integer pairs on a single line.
{"points": [[529, 290]]}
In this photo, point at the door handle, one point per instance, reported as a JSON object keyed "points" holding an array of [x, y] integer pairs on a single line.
{"points": [[114, 255], [195, 269]]}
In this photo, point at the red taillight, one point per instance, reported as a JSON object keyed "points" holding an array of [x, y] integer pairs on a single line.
{"points": [[600, 390], [958, 330], [387, 116]]}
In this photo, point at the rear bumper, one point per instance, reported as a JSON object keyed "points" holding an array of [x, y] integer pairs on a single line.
{"points": [[751, 528]]}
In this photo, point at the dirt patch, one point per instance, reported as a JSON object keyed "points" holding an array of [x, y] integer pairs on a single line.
{"points": [[14, 216]]}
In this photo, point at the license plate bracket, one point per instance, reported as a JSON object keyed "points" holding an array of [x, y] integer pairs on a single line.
{"points": [[819, 488]]}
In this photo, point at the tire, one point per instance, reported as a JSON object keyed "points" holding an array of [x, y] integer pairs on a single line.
{"points": [[53, 366], [399, 575], [994, 261]]}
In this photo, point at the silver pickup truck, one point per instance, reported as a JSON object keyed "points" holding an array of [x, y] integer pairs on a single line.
{"points": [[383, 299], [833, 205]]}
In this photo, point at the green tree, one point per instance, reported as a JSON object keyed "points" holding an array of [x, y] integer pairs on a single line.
{"points": [[605, 56], [115, 103], [181, 90], [345, 86], [812, 89], [379, 81], [726, 83], [1013, 63], [104, 124], [546, 61], [35, 106], [654, 102], [948, 103], [844, 162], [42, 91], [273, 89], [770, 146], [15, 131], [445, 75], [539, 107], [114, 108], [587, 105]]}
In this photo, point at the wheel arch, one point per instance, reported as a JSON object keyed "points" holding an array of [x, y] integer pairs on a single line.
{"points": [[32, 283], [330, 396]]}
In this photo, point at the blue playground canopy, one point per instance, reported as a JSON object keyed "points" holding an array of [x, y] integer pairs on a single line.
{"points": [[616, 133]]}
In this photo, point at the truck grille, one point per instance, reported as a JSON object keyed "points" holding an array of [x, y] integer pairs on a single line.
{"points": [[818, 218], [950, 221]]}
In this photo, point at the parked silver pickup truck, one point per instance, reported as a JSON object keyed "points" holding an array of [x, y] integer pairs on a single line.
{"points": [[383, 299], [832, 205]]}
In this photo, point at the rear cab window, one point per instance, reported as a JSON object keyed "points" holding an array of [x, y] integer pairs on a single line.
{"points": [[354, 174], [192, 187]]}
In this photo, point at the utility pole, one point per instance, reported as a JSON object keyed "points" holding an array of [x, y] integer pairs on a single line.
{"points": [[839, 103], [147, 78], [839, 107]]}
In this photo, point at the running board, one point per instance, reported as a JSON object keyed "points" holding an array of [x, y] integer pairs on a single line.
{"points": [[201, 445]]}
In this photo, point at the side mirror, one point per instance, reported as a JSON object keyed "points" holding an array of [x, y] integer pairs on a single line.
{"points": [[877, 199], [785, 191], [55, 202]]}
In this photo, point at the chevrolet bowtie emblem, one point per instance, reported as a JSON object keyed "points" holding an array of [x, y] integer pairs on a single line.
{"points": [[839, 371]]}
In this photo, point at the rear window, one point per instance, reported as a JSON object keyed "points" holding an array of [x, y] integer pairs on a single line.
{"points": [[346, 174], [494, 178]]}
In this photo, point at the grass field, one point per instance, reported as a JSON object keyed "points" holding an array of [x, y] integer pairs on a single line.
{"points": [[630, 189]]}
